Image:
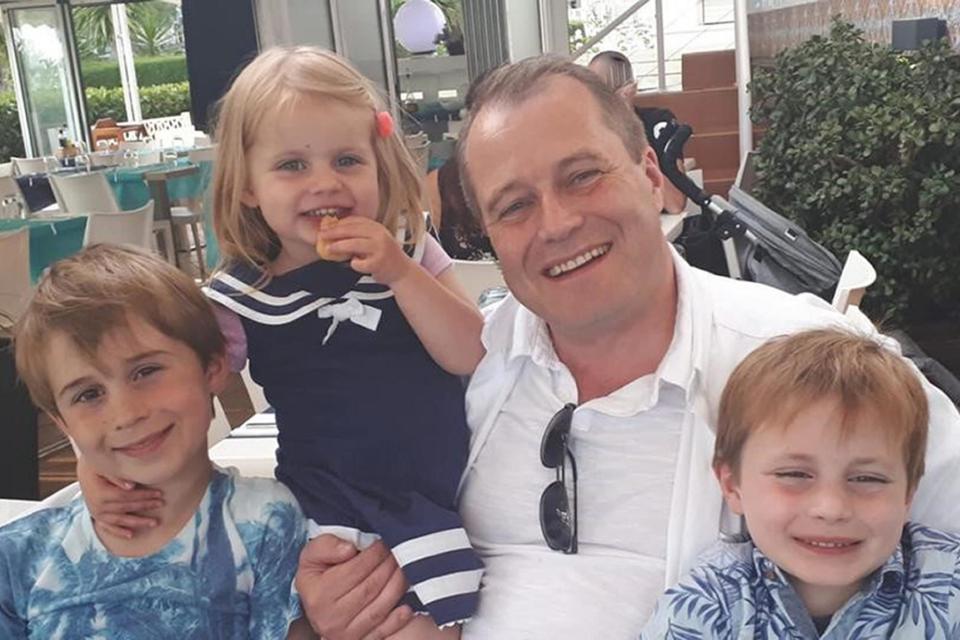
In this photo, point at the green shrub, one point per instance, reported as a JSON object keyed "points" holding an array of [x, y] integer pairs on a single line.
{"points": [[151, 71], [155, 102], [862, 150], [11, 141]]}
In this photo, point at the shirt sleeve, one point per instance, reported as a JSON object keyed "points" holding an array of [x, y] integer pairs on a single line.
{"points": [[274, 603], [435, 260], [12, 586], [232, 329]]}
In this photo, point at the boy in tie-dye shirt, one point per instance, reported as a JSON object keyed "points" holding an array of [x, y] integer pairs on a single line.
{"points": [[124, 353]]}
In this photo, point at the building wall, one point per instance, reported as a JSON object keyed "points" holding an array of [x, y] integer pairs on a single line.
{"points": [[777, 24]]}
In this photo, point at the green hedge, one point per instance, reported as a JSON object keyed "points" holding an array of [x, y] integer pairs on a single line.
{"points": [[155, 102], [11, 142], [151, 71]]}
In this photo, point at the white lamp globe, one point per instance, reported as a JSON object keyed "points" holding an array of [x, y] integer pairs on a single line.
{"points": [[417, 24]]}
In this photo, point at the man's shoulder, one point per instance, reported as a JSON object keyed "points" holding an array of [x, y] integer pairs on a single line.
{"points": [[751, 310]]}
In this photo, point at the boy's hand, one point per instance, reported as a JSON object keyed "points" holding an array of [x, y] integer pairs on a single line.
{"points": [[116, 503], [373, 249], [350, 595]]}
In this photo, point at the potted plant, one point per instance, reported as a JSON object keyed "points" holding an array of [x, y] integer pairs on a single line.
{"points": [[862, 148]]}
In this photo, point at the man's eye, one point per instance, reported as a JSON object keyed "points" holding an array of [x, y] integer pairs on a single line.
{"points": [[584, 177], [292, 165], [87, 395], [513, 208]]}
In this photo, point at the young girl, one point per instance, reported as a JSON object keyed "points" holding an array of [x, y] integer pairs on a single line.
{"points": [[359, 354], [360, 358]]}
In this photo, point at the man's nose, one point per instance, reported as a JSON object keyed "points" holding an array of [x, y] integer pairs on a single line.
{"points": [[558, 219], [830, 502]]}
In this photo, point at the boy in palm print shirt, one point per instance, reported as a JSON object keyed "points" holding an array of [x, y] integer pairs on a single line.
{"points": [[820, 445]]}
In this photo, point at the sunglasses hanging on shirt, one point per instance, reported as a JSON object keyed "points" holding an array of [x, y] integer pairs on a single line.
{"points": [[558, 514]]}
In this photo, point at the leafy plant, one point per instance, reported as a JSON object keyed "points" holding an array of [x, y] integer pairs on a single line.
{"points": [[11, 141], [155, 102], [862, 150], [150, 71], [153, 27], [93, 28]]}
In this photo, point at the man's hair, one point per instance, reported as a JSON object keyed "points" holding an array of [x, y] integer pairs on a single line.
{"points": [[94, 292], [776, 382], [512, 84]]}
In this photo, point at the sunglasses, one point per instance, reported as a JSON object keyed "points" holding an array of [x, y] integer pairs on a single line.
{"points": [[557, 520]]}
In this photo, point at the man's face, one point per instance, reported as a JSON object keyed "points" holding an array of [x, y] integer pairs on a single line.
{"points": [[827, 508], [142, 408], [573, 218]]}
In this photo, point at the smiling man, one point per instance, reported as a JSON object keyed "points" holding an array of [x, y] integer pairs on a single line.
{"points": [[589, 486]]}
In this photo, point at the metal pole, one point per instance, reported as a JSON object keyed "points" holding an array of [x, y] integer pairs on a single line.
{"points": [[616, 22], [743, 78], [661, 50]]}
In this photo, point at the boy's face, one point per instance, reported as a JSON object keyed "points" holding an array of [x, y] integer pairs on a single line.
{"points": [[142, 409], [828, 510]]}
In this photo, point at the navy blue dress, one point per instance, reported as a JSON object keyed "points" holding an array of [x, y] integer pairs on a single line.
{"points": [[372, 432]]}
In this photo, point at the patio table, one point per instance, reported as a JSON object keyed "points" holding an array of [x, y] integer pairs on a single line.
{"points": [[50, 239], [130, 186]]}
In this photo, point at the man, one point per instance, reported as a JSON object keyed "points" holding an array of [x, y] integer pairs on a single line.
{"points": [[604, 316]]}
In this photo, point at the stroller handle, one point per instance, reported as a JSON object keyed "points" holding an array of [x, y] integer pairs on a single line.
{"points": [[671, 153]]}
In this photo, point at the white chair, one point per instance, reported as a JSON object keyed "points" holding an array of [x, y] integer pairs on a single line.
{"points": [[12, 204], [476, 276], [133, 228], [419, 147], [6, 169], [84, 193], [857, 275], [202, 154], [26, 166], [14, 272], [149, 156]]}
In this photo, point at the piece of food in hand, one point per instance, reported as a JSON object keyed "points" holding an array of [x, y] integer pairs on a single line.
{"points": [[328, 220]]}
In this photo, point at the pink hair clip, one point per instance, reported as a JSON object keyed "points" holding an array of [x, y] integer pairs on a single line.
{"points": [[384, 124]]}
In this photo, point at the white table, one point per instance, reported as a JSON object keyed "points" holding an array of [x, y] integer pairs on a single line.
{"points": [[10, 509], [251, 447]]}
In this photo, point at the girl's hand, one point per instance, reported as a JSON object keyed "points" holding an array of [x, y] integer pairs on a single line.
{"points": [[116, 503], [373, 249]]}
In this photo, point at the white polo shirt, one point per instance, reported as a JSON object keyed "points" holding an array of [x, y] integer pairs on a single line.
{"points": [[648, 503]]}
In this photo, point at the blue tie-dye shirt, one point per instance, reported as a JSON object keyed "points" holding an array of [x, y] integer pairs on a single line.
{"points": [[737, 593], [227, 574]]}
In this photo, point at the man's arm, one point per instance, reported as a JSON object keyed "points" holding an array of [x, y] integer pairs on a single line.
{"points": [[350, 595]]}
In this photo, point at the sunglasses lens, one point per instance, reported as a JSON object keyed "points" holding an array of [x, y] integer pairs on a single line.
{"points": [[556, 520], [552, 447]]}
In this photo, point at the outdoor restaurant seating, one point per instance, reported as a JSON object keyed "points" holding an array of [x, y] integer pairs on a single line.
{"points": [[134, 228], [15, 275]]}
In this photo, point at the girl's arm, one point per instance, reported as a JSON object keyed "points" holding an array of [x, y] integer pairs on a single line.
{"points": [[440, 312], [442, 316]]}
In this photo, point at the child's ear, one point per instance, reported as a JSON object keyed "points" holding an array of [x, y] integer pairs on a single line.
{"points": [[730, 487], [249, 199], [218, 373]]}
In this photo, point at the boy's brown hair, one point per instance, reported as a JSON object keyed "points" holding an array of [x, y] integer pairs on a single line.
{"points": [[782, 377], [94, 292]]}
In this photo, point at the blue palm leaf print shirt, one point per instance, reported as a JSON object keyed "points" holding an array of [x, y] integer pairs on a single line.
{"points": [[737, 593], [227, 574]]}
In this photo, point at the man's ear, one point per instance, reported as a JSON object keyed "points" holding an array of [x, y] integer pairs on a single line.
{"points": [[651, 170], [217, 373], [730, 486]]}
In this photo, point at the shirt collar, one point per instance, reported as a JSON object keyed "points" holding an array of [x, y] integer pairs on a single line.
{"points": [[528, 336]]}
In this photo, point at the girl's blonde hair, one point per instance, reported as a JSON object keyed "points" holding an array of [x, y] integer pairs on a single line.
{"points": [[273, 82]]}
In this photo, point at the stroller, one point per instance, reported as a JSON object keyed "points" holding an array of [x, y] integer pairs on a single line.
{"points": [[760, 245], [755, 242]]}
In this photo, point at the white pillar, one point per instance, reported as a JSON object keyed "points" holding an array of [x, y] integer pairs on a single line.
{"points": [[743, 77]]}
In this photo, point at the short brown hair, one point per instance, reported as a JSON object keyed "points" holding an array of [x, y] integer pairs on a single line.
{"points": [[775, 382], [512, 84], [93, 293]]}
